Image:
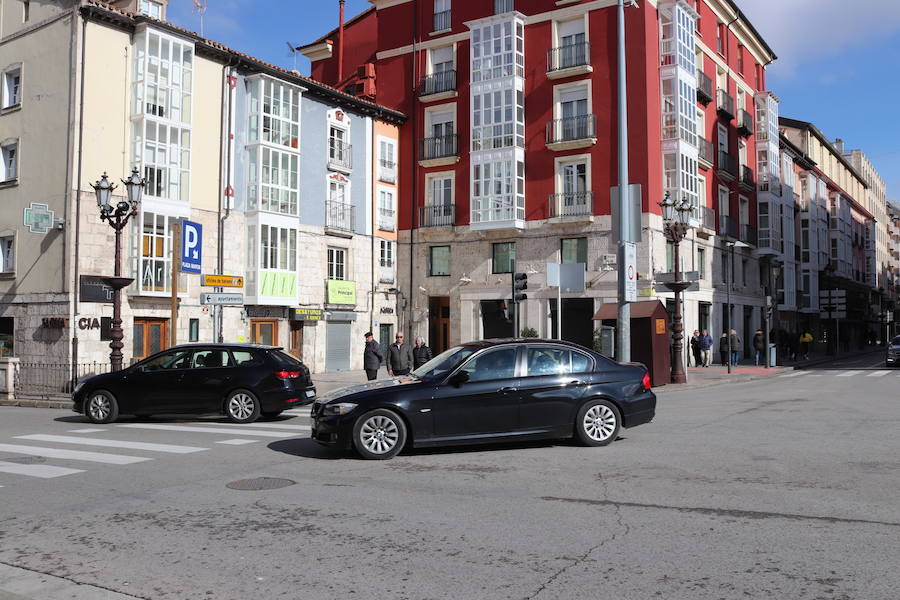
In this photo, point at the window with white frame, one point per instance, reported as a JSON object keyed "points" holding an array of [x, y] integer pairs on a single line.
{"points": [[151, 9], [572, 49], [163, 77], [441, 15], [154, 268], [8, 254], [724, 201], [387, 165], [273, 180], [274, 112], [441, 71], [439, 200], [9, 153], [497, 120], [498, 192], [573, 188], [12, 88], [498, 51], [337, 263], [278, 248], [337, 192], [386, 218], [573, 118], [386, 260], [165, 152], [338, 147]]}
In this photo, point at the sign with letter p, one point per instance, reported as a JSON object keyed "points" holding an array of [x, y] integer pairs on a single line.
{"points": [[191, 246]]}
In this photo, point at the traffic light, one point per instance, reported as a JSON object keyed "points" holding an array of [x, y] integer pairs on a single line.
{"points": [[519, 283]]}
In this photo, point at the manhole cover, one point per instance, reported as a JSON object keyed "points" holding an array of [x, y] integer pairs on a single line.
{"points": [[25, 460], [259, 483]]}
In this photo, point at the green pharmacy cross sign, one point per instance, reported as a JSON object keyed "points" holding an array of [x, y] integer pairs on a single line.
{"points": [[38, 218]]}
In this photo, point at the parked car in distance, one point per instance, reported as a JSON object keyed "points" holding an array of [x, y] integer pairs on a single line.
{"points": [[892, 356], [241, 381], [489, 391]]}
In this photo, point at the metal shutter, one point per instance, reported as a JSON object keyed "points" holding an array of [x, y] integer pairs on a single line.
{"points": [[337, 346]]}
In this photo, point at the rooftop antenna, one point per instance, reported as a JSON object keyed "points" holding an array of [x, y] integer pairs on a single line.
{"points": [[293, 51], [200, 9]]}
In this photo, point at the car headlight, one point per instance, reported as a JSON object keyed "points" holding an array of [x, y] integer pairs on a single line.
{"points": [[340, 408]]}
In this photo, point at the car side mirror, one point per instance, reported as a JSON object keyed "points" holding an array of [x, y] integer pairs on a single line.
{"points": [[459, 378]]}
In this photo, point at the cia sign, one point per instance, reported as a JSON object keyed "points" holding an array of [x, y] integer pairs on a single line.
{"points": [[191, 246]]}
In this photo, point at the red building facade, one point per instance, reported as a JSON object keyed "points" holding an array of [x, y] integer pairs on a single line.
{"points": [[509, 153]]}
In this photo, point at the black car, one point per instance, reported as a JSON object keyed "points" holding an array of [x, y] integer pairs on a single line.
{"points": [[489, 391], [241, 381], [893, 352]]}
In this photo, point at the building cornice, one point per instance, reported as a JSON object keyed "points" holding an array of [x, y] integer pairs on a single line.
{"points": [[809, 127]]}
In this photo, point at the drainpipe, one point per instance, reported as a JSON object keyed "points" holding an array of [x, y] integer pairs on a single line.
{"points": [[76, 296], [226, 159], [340, 56], [415, 167]]}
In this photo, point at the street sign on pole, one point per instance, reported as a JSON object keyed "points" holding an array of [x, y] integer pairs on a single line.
{"points": [[670, 277], [223, 299], [630, 252], [222, 281], [191, 247]]}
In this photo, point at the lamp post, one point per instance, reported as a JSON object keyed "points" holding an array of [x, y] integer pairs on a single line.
{"points": [[676, 225], [117, 216], [728, 286]]}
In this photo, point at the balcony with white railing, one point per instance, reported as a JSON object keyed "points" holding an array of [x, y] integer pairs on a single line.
{"points": [[437, 215], [387, 220], [571, 206], [387, 171], [338, 217], [339, 155], [569, 60]]}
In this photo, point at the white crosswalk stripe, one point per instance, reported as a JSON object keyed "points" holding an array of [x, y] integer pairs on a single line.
{"points": [[68, 439], [237, 442], [42, 471], [271, 426], [86, 430], [794, 374], [879, 373], [849, 373], [225, 430], [110, 459]]}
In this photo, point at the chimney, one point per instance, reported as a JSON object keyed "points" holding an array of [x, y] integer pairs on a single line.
{"points": [[340, 52], [839, 144]]}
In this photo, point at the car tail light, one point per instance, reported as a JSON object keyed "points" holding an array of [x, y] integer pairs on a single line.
{"points": [[287, 374], [646, 381]]}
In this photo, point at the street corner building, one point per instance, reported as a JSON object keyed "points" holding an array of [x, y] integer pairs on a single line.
{"points": [[510, 164], [293, 185]]}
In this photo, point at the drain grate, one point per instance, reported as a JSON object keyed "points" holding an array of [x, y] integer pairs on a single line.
{"points": [[25, 460], [259, 483]]}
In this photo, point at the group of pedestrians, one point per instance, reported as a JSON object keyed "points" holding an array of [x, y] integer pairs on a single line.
{"points": [[400, 359]]}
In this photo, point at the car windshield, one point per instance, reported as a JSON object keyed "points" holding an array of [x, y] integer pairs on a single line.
{"points": [[285, 360], [896, 341], [444, 362]]}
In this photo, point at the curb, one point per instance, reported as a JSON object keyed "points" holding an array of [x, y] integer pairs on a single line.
{"points": [[30, 403]]}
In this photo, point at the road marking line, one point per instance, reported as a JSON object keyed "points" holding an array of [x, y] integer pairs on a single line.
{"points": [[110, 459], [42, 471], [879, 374], [795, 374], [237, 442], [225, 430], [849, 373], [67, 439], [86, 430], [263, 426]]}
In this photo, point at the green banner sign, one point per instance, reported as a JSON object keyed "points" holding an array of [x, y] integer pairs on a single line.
{"points": [[341, 292], [278, 285]]}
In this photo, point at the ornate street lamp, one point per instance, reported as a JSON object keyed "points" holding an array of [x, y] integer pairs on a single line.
{"points": [[676, 223], [117, 216]]}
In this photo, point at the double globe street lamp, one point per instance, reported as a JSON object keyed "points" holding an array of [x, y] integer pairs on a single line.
{"points": [[676, 223], [117, 216]]}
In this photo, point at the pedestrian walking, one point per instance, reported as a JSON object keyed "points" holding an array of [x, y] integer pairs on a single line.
{"points": [[723, 348], [372, 357], [400, 357], [705, 342], [735, 345], [805, 340], [759, 345], [695, 348], [421, 353]]}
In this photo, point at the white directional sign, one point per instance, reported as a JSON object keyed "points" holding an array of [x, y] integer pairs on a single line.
{"points": [[224, 299], [629, 249]]}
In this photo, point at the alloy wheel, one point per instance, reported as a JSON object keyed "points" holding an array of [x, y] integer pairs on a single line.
{"points": [[599, 422], [241, 406], [379, 434], [99, 407]]}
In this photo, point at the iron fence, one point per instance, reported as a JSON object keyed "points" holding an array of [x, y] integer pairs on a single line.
{"points": [[53, 379]]}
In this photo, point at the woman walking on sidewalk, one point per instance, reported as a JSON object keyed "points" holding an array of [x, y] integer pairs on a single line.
{"points": [[723, 348], [759, 345], [735, 347]]}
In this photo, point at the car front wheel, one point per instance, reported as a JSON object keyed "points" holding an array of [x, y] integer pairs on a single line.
{"points": [[101, 407], [598, 423], [379, 434], [242, 406]]}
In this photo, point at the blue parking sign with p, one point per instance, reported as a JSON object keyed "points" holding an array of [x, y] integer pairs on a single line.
{"points": [[191, 246]]}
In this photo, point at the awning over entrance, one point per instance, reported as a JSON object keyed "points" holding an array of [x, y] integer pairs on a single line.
{"points": [[639, 310]]}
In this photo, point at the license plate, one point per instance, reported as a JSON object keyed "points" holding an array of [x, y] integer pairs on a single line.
{"points": [[310, 393]]}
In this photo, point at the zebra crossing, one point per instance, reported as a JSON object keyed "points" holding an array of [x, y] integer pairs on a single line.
{"points": [[76, 450], [841, 373]]}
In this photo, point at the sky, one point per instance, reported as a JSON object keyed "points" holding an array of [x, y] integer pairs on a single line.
{"points": [[838, 60]]}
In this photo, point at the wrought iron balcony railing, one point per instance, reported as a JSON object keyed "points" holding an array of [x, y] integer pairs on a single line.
{"points": [[728, 227], [727, 163], [439, 147], [725, 104], [338, 215], [568, 56], [571, 129], [339, 154], [437, 215], [571, 204], [704, 88], [437, 83]]}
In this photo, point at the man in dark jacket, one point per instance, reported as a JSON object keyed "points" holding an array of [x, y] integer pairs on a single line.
{"points": [[400, 357], [706, 344], [421, 353], [759, 345], [372, 357]]}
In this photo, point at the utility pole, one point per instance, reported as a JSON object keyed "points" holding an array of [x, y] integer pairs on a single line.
{"points": [[623, 321]]}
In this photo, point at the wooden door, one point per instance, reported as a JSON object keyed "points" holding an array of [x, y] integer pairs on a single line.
{"points": [[296, 345], [149, 336], [264, 331]]}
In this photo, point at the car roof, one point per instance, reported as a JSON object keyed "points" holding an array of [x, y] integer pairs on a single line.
{"points": [[225, 345], [504, 341]]}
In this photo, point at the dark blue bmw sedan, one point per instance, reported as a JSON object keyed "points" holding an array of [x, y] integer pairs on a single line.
{"points": [[489, 391]]}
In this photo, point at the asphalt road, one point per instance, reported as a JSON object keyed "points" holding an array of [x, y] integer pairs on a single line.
{"points": [[779, 488]]}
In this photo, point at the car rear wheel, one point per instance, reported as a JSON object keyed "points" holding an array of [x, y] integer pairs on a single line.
{"points": [[101, 407], [379, 434], [271, 414], [242, 406], [598, 423]]}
